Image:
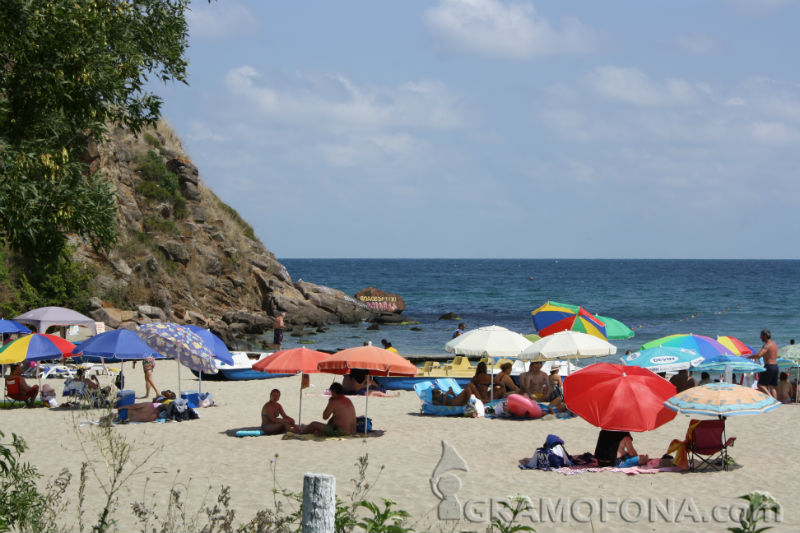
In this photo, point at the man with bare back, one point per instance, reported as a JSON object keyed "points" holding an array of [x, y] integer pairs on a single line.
{"points": [[340, 413]]}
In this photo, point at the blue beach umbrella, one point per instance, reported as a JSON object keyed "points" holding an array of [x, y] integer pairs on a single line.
{"points": [[664, 359], [214, 343], [722, 399], [172, 340], [12, 327], [734, 363], [116, 345]]}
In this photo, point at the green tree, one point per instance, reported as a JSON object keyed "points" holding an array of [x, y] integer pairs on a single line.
{"points": [[68, 68]]}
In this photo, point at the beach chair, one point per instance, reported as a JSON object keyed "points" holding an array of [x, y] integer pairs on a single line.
{"points": [[424, 390], [448, 383], [708, 445], [428, 366], [49, 370], [13, 393]]}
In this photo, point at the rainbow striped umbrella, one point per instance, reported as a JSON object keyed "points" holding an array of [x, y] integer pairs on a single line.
{"points": [[705, 346], [35, 347], [722, 399], [553, 317], [736, 346]]}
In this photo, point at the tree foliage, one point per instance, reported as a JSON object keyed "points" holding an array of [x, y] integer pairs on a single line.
{"points": [[68, 68]]}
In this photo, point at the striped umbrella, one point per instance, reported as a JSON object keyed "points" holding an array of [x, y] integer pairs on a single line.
{"points": [[615, 330], [553, 317], [705, 346], [736, 346], [36, 347], [734, 363], [722, 399]]}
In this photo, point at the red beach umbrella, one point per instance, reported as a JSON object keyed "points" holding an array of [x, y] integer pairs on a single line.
{"points": [[295, 361], [618, 397], [376, 361]]}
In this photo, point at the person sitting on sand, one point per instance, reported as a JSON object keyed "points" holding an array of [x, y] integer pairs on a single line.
{"points": [[682, 380], [145, 411], [355, 383], [556, 397], [481, 382], [503, 383], [18, 389], [274, 419], [615, 448], [784, 389], [341, 415], [534, 383]]}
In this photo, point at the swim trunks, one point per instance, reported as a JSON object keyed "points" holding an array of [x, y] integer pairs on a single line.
{"points": [[277, 337], [332, 431], [769, 377]]}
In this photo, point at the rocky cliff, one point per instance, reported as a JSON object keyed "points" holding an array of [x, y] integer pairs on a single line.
{"points": [[185, 256]]}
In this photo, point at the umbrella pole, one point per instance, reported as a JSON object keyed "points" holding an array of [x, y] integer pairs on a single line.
{"points": [[200, 382], [179, 378], [366, 406], [300, 410]]}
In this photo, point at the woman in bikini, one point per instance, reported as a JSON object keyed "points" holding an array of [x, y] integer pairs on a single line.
{"points": [[148, 365]]}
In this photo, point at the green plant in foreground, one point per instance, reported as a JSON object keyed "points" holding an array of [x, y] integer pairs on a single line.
{"points": [[759, 504], [517, 505], [384, 520]]}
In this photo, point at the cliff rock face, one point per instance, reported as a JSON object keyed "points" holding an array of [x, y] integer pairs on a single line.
{"points": [[185, 256]]}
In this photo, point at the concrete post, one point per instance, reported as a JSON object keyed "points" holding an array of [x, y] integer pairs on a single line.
{"points": [[319, 503]]}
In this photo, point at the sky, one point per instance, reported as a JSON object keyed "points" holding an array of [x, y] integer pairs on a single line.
{"points": [[499, 129]]}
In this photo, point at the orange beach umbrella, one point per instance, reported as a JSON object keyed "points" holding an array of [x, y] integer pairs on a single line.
{"points": [[295, 361], [376, 361]]}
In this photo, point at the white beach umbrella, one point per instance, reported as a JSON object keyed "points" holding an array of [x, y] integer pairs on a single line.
{"points": [[567, 345], [492, 341]]}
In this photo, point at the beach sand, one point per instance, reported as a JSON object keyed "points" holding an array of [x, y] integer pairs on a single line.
{"points": [[202, 454]]}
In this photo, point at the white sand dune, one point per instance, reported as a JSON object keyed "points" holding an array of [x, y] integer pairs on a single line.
{"points": [[202, 453]]}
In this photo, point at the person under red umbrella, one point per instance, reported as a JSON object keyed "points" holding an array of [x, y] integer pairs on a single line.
{"points": [[619, 399]]}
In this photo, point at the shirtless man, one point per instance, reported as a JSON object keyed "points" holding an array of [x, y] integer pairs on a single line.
{"points": [[768, 380], [534, 383], [273, 418], [278, 326], [341, 415]]}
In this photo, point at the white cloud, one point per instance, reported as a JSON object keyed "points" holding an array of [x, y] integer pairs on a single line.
{"points": [[202, 131], [630, 85], [696, 45], [775, 133], [372, 151], [494, 29], [337, 103], [221, 19], [734, 101]]}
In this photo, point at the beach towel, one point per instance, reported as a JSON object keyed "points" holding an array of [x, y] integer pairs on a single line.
{"points": [[653, 466], [680, 448], [310, 436]]}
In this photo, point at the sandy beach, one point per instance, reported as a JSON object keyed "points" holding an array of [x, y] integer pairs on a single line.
{"points": [[203, 453]]}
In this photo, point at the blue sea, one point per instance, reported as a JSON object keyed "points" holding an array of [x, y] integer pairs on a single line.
{"points": [[653, 297]]}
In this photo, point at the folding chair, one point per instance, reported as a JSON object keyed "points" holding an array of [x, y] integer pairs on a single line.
{"points": [[708, 444]]}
